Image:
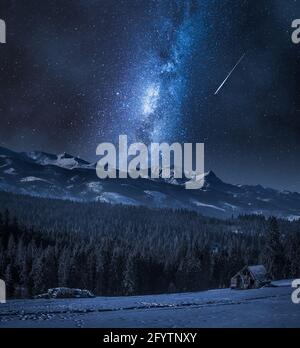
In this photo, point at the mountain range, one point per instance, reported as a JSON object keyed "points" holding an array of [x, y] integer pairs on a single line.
{"points": [[67, 177]]}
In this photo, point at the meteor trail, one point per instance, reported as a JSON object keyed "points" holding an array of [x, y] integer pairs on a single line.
{"points": [[236, 65]]}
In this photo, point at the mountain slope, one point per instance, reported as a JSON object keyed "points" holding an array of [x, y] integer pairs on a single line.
{"points": [[68, 177]]}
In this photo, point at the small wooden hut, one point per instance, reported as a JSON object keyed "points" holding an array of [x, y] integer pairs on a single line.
{"points": [[250, 277]]}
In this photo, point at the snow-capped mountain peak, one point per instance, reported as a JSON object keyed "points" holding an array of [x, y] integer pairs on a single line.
{"points": [[63, 160], [65, 176]]}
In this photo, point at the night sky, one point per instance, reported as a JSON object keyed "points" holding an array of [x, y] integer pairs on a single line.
{"points": [[77, 73]]}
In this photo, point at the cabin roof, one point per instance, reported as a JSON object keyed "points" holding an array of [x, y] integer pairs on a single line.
{"points": [[259, 272]]}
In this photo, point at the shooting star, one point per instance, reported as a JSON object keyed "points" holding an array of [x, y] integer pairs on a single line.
{"points": [[236, 65]]}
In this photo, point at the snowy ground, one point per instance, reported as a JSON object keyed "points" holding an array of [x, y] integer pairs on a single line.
{"points": [[268, 307]]}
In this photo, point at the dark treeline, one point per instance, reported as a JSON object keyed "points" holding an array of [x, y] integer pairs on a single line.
{"points": [[121, 250]]}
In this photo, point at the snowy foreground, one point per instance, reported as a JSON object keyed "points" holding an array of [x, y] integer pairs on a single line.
{"points": [[267, 307]]}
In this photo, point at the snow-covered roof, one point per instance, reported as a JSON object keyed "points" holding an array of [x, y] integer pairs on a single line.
{"points": [[259, 272]]}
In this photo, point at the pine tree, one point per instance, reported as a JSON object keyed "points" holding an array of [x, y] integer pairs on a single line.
{"points": [[38, 276], [273, 250], [9, 280], [131, 279]]}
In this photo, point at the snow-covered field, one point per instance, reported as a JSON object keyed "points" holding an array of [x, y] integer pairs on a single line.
{"points": [[267, 307]]}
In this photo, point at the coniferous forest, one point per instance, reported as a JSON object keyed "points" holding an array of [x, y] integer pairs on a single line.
{"points": [[126, 250]]}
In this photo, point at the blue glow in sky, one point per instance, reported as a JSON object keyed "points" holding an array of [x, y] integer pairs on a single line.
{"points": [[158, 77]]}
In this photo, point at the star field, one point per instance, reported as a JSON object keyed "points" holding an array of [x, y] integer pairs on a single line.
{"points": [[77, 73]]}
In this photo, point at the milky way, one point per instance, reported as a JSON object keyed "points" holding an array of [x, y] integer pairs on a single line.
{"points": [[161, 76]]}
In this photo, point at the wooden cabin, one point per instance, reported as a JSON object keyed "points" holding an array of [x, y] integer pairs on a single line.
{"points": [[250, 277]]}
